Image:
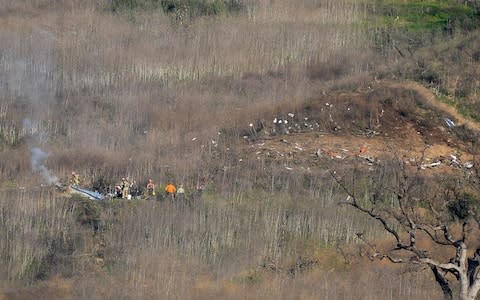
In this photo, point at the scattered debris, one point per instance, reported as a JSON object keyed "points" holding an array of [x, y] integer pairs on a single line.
{"points": [[449, 122], [432, 165], [298, 147], [363, 150], [369, 159]]}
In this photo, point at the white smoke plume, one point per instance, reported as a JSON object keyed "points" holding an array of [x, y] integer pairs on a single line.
{"points": [[38, 157]]}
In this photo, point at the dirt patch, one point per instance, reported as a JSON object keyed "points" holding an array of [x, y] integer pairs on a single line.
{"points": [[384, 121], [431, 100]]}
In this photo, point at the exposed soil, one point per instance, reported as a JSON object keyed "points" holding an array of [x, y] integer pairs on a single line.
{"points": [[389, 119], [429, 98]]}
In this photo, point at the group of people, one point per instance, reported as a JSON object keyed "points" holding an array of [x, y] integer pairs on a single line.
{"points": [[127, 188]]}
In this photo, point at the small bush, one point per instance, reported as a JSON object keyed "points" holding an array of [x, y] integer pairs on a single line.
{"points": [[427, 74], [462, 207], [476, 56], [87, 211], [464, 134]]}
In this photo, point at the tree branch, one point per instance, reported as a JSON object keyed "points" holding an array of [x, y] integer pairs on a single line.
{"points": [[447, 266], [433, 236], [443, 282], [375, 216]]}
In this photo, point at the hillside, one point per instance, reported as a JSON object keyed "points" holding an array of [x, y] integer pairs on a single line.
{"points": [[272, 117], [407, 121]]}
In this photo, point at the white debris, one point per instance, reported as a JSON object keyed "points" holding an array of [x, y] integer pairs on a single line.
{"points": [[468, 165], [432, 165], [298, 148], [275, 121], [455, 159], [194, 139], [251, 124], [280, 121], [291, 115], [288, 168], [286, 122], [449, 122], [327, 104]]}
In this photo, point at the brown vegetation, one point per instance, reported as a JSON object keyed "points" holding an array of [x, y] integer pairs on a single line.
{"points": [[134, 94]]}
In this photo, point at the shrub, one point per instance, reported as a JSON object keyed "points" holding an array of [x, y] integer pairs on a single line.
{"points": [[427, 74], [476, 56], [462, 207], [87, 211]]}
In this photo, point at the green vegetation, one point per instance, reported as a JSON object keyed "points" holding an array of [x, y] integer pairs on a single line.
{"points": [[428, 16], [438, 43]]}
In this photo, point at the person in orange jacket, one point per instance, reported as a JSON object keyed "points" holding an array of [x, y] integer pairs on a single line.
{"points": [[171, 190]]}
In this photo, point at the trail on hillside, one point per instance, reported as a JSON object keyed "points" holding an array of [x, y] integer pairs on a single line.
{"points": [[432, 101]]}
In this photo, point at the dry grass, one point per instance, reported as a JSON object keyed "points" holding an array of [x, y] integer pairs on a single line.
{"points": [[111, 95], [126, 94]]}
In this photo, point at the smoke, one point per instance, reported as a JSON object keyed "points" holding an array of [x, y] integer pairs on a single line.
{"points": [[38, 157], [29, 79]]}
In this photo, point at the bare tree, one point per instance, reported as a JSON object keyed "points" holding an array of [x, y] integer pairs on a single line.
{"points": [[411, 206]]}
